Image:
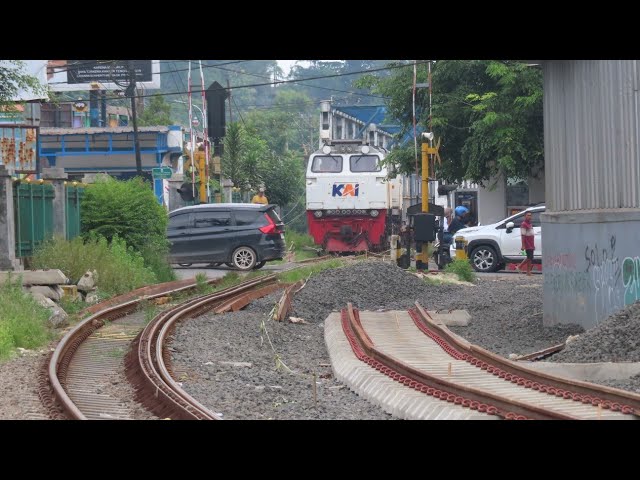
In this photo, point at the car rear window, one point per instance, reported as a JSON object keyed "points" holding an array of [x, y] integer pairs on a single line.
{"points": [[274, 215], [246, 217]]}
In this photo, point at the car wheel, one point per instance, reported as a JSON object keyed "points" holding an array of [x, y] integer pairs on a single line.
{"points": [[185, 264], [243, 258], [260, 265], [484, 259]]}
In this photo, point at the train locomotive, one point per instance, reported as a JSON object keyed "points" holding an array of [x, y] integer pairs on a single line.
{"points": [[351, 204]]}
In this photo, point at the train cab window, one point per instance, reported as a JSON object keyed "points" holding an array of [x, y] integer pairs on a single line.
{"points": [[327, 164], [364, 163]]}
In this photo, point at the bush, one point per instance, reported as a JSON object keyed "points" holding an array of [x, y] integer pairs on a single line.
{"points": [[22, 319], [128, 209], [120, 268], [463, 269]]}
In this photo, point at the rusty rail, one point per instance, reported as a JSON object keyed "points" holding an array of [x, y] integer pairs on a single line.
{"points": [[53, 393], [482, 400], [607, 397]]}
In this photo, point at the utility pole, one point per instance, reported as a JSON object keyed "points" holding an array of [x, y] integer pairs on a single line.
{"points": [[230, 113], [131, 92]]}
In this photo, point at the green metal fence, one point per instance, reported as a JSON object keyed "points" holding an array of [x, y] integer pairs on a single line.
{"points": [[33, 214], [74, 197]]}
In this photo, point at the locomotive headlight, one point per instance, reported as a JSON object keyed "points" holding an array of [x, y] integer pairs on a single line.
{"points": [[326, 149], [374, 213], [317, 213], [365, 149]]}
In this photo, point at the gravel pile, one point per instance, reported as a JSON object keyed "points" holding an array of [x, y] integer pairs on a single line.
{"points": [[230, 365], [631, 384], [506, 313], [617, 339]]}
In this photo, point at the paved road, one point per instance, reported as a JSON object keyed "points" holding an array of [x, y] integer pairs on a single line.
{"points": [[221, 271]]}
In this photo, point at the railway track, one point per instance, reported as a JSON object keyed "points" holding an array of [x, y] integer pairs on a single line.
{"points": [[424, 359], [87, 358]]}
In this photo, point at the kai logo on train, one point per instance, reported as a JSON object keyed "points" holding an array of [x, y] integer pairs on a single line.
{"points": [[345, 189]]}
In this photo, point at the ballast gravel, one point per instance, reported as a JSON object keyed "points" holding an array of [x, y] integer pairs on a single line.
{"points": [[246, 366]]}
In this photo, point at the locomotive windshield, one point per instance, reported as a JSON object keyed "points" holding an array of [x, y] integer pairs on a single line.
{"points": [[327, 164], [364, 163]]}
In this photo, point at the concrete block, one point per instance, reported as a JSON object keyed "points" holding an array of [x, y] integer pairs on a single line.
{"points": [[457, 318], [70, 292], [87, 283], [42, 300], [37, 277], [53, 292]]}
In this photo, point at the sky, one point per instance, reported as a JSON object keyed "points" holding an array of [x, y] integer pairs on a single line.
{"points": [[286, 65]]}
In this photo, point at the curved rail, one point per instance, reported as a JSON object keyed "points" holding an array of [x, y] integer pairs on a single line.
{"points": [[579, 391], [52, 389], [147, 360], [477, 399]]}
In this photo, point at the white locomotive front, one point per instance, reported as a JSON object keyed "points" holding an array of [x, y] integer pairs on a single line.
{"points": [[351, 205]]}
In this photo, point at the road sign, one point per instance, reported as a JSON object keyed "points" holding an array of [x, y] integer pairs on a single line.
{"points": [[161, 172]]}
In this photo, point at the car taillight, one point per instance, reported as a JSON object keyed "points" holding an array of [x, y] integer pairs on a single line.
{"points": [[270, 229]]}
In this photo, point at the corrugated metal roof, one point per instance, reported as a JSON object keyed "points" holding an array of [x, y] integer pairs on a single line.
{"points": [[93, 130]]}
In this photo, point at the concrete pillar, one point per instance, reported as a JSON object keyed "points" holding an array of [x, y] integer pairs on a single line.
{"points": [[227, 185], [7, 227], [58, 177], [175, 200]]}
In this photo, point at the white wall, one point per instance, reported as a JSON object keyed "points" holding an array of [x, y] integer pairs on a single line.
{"points": [[492, 201], [536, 189]]}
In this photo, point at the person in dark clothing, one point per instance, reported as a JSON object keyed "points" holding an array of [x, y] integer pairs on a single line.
{"points": [[459, 221]]}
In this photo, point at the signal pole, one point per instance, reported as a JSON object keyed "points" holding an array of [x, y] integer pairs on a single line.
{"points": [[131, 92]]}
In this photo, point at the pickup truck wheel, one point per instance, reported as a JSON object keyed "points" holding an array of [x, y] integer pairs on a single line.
{"points": [[484, 259]]}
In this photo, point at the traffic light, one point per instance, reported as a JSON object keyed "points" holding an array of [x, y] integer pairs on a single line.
{"points": [[216, 95], [186, 192]]}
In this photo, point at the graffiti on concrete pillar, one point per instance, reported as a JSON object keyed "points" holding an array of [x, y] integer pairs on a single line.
{"points": [[631, 279], [604, 268]]}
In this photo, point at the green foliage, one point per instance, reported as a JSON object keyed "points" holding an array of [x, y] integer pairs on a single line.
{"points": [[487, 113], [463, 269], [120, 268], [158, 112], [304, 272], [22, 319], [248, 162], [201, 284], [14, 78], [128, 209]]}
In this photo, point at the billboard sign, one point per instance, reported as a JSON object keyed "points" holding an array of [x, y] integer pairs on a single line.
{"points": [[18, 148], [76, 75]]}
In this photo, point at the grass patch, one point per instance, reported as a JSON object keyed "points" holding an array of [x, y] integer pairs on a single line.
{"points": [[23, 322], [72, 307], [202, 287], [304, 272], [120, 268], [463, 269]]}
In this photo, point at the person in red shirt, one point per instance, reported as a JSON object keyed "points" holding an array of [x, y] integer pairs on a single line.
{"points": [[528, 245]]}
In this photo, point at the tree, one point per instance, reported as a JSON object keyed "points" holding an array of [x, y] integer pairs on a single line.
{"points": [[290, 125], [13, 78], [488, 114], [158, 112]]}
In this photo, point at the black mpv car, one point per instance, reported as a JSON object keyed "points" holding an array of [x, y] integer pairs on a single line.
{"points": [[242, 235]]}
